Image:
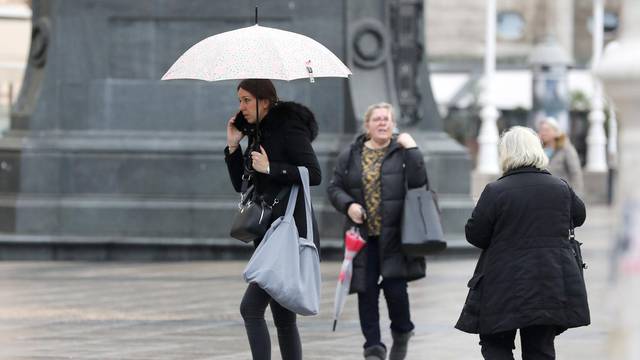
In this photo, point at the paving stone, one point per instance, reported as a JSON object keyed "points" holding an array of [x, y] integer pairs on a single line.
{"points": [[190, 310]]}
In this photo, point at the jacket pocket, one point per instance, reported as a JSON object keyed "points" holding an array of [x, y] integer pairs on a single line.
{"points": [[469, 320], [474, 282]]}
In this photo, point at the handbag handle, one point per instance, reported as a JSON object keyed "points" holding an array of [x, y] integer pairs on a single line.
{"points": [[293, 196], [404, 172]]}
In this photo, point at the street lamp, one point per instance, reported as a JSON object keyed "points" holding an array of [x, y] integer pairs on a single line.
{"points": [[550, 63], [597, 139], [488, 136]]}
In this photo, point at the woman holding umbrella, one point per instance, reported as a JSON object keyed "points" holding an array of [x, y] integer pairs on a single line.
{"points": [[286, 131], [369, 185]]}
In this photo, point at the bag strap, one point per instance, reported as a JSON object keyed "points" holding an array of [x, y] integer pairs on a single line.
{"points": [[253, 146], [571, 226], [291, 205], [304, 176], [248, 170], [293, 196], [404, 171]]}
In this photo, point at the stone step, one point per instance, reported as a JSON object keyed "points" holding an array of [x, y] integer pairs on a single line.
{"points": [[124, 217]]}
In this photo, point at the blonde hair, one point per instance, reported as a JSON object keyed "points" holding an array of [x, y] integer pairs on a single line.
{"points": [[551, 121], [561, 136], [520, 146], [372, 108]]}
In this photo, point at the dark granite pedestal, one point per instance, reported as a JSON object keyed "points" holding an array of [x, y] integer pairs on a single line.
{"points": [[105, 161]]}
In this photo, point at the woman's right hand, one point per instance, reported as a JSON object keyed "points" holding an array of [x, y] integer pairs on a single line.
{"points": [[356, 213], [233, 135]]}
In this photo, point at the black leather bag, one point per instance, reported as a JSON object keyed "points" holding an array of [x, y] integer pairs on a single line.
{"points": [[253, 217], [421, 225], [575, 249], [574, 244]]}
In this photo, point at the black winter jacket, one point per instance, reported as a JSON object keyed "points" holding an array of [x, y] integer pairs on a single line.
{"points": [[527, 274], [346, 188], [286, 135]]}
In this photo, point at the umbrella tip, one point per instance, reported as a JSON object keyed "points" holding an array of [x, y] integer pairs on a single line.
{"points": [[334, 325], [256, 15]]}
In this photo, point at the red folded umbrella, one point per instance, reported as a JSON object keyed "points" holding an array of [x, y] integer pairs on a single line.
{"points": [[353, 243]]}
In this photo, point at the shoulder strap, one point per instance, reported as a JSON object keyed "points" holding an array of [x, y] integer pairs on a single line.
{"points": [[571, 227], [404, 172], [291, 205], [304, 177], [293, 196], [404, 169]]}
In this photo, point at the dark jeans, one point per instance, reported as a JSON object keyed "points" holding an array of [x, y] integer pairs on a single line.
{"points": [[253, 306], [537, 343], [395, 292]]}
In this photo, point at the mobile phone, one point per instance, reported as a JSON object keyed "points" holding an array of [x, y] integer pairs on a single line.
{"points": [[240, 122]]}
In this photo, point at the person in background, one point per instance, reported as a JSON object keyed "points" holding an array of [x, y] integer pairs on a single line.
{"points": [[527, 277], [563, 158], [368, 186]]}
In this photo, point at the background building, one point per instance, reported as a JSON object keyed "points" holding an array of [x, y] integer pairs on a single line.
{"points": [[15, 33], [455, 33]]}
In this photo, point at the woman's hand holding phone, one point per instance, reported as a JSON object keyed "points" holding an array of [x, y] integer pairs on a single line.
{"points": [[233, 135]]}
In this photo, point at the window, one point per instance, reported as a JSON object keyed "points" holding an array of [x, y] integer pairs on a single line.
{"points": [[510, 25], [611, 22]]}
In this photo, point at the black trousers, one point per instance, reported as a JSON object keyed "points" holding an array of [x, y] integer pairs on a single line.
{"points": [[253, 306], [537, 343], [395, 292]]}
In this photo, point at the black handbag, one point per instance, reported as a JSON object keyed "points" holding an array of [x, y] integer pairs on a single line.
{"points": [[253, 217], [574, 244], [575, 249], [421, 224]]}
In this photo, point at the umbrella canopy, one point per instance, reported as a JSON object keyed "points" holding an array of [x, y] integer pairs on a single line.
{"points": [[353, 243], [257, 52]]}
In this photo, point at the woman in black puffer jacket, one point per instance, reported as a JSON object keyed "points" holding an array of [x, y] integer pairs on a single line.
{"points": [[368, 185], [527, 277], [286, 132]]}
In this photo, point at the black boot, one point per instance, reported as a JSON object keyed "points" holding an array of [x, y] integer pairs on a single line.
{"points": [[376, 352], [400, 345]]}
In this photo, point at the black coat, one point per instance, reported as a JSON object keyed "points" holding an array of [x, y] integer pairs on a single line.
{"points": [[346, 188], [286, 135], [527, 274]]}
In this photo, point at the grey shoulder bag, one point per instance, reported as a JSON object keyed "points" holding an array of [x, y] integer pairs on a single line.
{"points": [[421, 227], [286, 265]]}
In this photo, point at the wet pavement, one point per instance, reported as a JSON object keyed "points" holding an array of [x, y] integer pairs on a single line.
{"points": [[190, 310]]}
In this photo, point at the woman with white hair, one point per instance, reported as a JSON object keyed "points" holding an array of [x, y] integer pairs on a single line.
{"points": [[527, 277], [563, 157]]}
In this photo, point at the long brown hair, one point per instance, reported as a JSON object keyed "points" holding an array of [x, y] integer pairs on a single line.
{"points": [[262, 89]]}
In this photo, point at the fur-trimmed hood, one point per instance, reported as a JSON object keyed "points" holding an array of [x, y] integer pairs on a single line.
{"points": [[280, 112]]}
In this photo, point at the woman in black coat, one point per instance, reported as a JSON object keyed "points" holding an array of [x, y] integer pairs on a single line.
{"points": [[368, 186], [527, 277], [286, 132]]}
